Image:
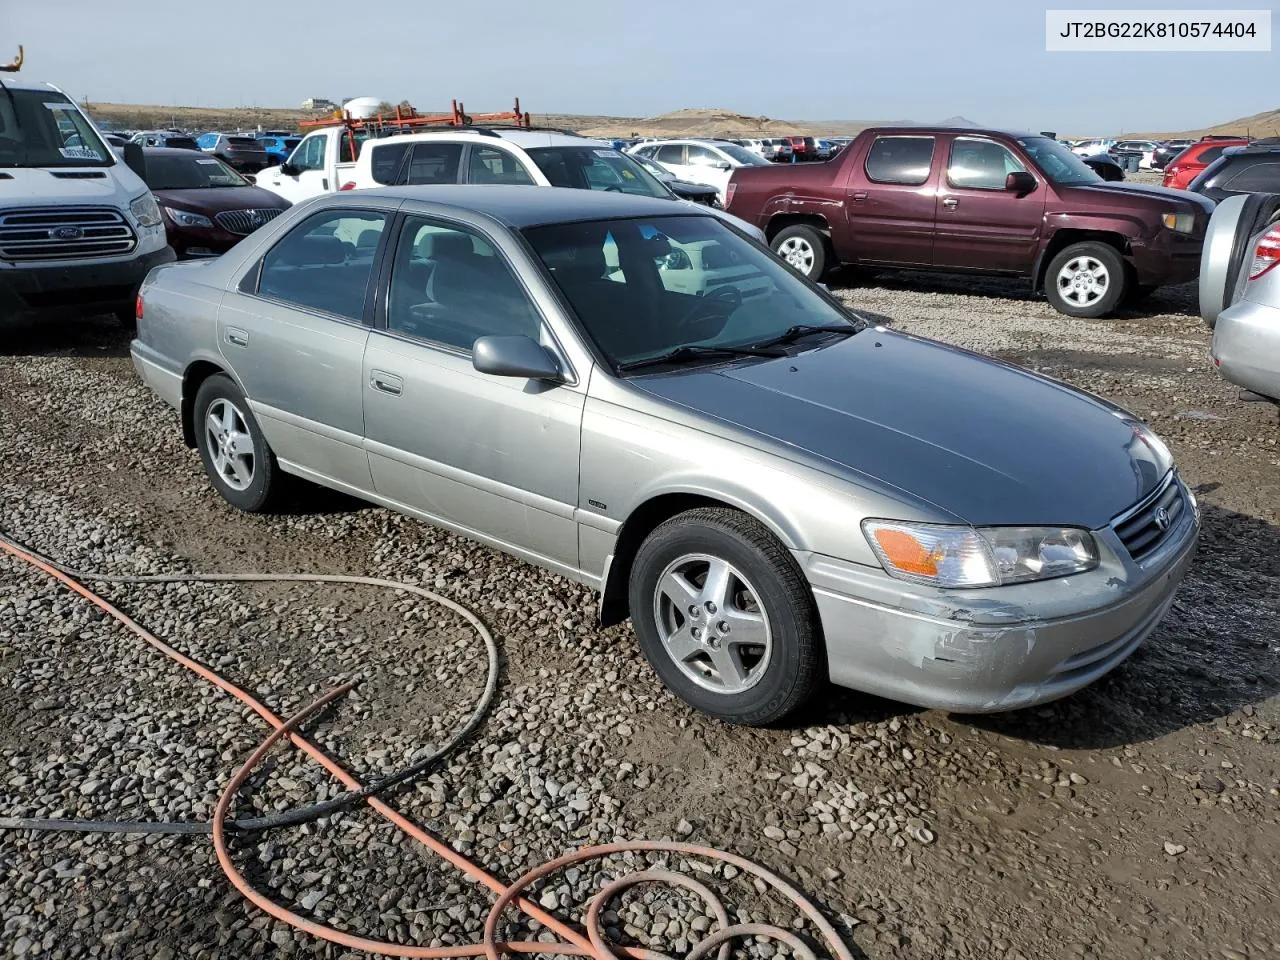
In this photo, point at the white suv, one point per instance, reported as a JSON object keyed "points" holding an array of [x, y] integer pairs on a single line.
{"points": [[702, 161], [508, 156]]}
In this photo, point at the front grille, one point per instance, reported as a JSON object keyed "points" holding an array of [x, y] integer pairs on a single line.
{"points": [[244, 222], [64, 233], [1144, 528]]}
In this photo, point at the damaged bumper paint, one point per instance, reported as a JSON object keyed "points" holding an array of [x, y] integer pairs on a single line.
{"points": [[1001, 648]]}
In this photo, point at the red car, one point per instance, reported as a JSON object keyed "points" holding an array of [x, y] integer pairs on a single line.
{"points": [[1183, 168]]}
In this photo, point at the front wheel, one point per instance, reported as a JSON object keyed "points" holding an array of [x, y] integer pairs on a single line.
{"points": [[725, 617], [1086, 280], [804, 248]]}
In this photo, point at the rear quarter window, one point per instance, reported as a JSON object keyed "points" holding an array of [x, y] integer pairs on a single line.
{"points": [[385, 161], [1262, 177], [905, 160]]}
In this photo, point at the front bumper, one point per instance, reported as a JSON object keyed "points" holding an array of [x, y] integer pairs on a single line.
{"points": [[1169, 257], [50, 290], [1002, 648], [1246, 347]]}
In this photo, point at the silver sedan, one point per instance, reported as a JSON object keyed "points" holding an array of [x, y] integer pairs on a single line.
{"points": [[645, 400]]}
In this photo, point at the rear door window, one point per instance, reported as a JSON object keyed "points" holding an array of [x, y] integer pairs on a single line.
{"points": [[325, 263], [1256, 178], [670, 153], [905, 160], [434, 163], [491, 165]]}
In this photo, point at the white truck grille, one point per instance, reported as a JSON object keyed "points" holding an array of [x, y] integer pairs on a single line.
{"points": [[64, 233]]}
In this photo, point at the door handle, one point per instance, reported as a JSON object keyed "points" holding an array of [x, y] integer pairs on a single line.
{"points": [[387, 383], [860, 195], [950, 202], [237, 337]]}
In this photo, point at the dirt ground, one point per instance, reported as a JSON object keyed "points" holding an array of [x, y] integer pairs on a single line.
{"points": [[1138, 818]]}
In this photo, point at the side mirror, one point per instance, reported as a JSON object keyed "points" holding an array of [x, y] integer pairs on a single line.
{"points": [[722, 165], [134, 159], [1020, 183], [516, 356], [289, 170]]}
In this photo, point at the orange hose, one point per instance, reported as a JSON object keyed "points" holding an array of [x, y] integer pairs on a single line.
{"points": [[573, 942]]}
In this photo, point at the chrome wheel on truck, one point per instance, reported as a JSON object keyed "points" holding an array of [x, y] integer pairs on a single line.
{"points": [[1086, 280], [803, 248]]}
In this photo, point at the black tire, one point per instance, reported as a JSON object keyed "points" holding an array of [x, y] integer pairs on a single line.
{"points": [[803, 248], [795, 664], [266, 481], [1117, 280]]}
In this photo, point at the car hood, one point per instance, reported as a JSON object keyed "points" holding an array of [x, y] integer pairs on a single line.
{"points": [[1129, 190], [38, 186], [984, 441], [217, 199]]}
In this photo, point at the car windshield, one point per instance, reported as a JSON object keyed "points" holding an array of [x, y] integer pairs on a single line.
{"points": [[1056, 162], [596, 168], [190, 173], [41, 128], [645, 287], [742, 155]]}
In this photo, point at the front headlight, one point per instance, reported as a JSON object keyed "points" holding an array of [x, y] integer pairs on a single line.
{"points": [[952, 556], [1181, 222], [145, 210], [185, 218]]}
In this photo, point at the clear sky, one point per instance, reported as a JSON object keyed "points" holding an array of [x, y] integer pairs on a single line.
{"points": [[921, 60]]}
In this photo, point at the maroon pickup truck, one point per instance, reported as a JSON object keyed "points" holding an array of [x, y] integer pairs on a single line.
{"points": [[977, 201]]}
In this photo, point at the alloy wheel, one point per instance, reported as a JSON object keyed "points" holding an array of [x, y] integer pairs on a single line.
{"points": [[1083, 281], [798, 252], [230, 444], [711, 623]]}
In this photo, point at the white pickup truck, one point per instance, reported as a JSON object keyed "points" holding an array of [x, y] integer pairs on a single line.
{"points": [[322, 163]]}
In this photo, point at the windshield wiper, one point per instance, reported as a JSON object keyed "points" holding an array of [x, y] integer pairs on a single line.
{"points": [[792, 334], [691, 352]]}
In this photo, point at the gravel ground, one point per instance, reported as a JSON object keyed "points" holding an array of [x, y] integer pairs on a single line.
{"points": [[1135, 819]]}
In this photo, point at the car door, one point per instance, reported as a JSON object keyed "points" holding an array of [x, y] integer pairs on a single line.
{"points": [[981, 225], [671, 156], [294, 334], [310, 178], [709, 166], [891, 202], [432, 163], [493, 457]]}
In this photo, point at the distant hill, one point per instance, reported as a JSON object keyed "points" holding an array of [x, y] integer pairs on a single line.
{"points": [[1265, 124]]}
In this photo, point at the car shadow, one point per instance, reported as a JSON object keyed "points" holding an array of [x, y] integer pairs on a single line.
{"points": [[100, 336], [1216, 651], [303, 498]]}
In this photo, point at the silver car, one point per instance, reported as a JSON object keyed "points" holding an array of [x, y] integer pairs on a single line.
{"points": [[1240, 292], [776, 493]]}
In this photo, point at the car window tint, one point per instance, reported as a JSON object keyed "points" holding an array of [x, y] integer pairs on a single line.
{"points": [[434, 163], [489, 165], [450, 286], [1256, 178], [1209, 154], [701, 156], [980, 164], [670, 153], [904, 160], [325, 262], [385, 160], [309, 155]]}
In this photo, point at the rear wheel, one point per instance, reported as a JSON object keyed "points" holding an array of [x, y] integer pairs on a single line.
{"points": [[1086, 280], [725, 617], [234, 451], [804, 249]]}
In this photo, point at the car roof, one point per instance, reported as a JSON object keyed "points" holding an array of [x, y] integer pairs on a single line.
{"points": [[524, 206], [521, 138], [172, 152], [967, 132]]}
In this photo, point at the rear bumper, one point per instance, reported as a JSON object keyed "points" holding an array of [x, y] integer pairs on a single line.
{"points": [[998, 649], [75, 288], [1246, 347], [1168, 258]]}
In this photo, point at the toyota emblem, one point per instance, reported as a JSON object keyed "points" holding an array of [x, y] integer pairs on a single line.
{"points": [[1162, 518], [66, 233]]}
